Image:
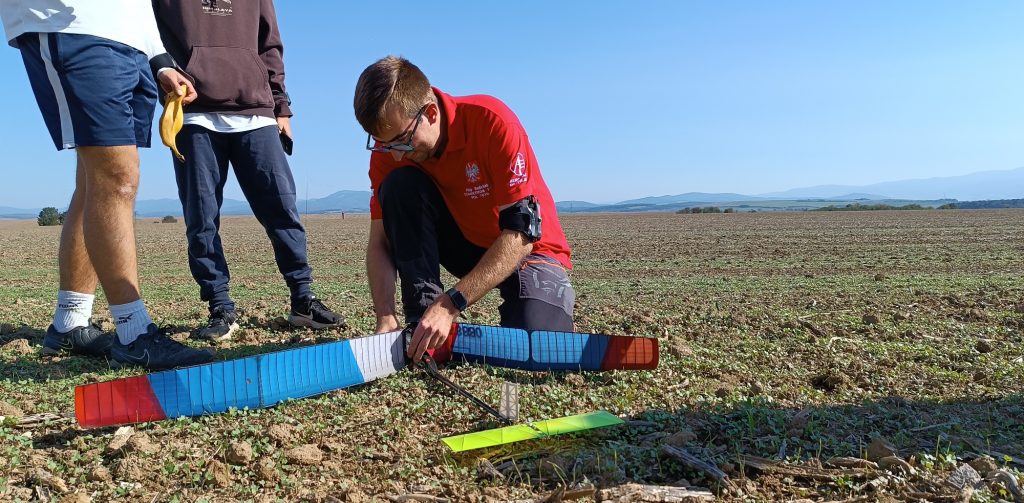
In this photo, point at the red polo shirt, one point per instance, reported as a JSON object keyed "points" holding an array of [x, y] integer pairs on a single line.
{"points": [[487, 163]]}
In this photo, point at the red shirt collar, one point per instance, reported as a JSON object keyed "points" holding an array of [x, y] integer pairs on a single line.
{"points": [[456, 127]]}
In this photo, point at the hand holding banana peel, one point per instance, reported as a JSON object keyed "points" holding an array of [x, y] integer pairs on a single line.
{"points": [[172, 119]]}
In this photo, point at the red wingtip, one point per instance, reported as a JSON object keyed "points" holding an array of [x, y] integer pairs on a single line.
{"points": [[122, 401], [631, 353]]}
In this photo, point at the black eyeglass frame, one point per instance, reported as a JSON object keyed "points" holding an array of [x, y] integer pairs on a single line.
{"points": [[391, 146]]}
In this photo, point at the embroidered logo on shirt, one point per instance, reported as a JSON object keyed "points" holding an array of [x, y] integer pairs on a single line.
{"points": [[473, 177], [472, 172], [519, 172]]}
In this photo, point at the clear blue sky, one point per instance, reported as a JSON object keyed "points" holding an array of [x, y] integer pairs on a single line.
{"points": [[629, 99]]}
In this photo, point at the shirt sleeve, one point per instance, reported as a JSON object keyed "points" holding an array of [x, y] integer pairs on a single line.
{"points": [[511, 162]]}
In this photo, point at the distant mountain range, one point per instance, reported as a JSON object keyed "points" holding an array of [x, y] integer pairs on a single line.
{"points": [[984, 185]]}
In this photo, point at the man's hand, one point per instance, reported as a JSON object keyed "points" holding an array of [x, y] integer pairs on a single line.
{"points": [[433, 328], [284, 125], [171, 81], [387, 323]]}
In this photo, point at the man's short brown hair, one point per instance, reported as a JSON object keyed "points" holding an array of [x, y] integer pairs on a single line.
{"points": [[390, 82]]}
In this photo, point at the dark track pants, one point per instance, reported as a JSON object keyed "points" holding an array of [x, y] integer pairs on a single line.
{"points": [[423, 237], [263, 174]]}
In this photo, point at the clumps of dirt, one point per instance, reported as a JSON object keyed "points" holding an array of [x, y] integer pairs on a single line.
{"points": [[18, 347], [984, 346], [8, 410], [306, 454], [140, 443], [266, 470], [282, 434], [828, 382], [99, 473], [239, 452], [47, 479], [871, 319], [973, 314], [220, 472]]}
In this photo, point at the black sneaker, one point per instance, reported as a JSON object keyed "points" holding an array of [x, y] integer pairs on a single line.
{"points": [[310, 312], [220, 326], [153, 350], [88, 340]]}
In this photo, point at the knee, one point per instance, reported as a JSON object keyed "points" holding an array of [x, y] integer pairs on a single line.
{"points": [[403, 184], [113, 181]]}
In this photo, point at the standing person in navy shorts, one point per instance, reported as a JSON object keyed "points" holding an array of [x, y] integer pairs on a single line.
{"points": [[91, 65], [455, 183]]}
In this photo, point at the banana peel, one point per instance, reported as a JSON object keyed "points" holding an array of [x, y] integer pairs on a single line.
{"points": [[172, 119]]}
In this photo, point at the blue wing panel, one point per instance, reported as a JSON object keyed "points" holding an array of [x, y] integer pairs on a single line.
{"points": [[208, 389], [566, 350], [499, 346], [307, 371]]}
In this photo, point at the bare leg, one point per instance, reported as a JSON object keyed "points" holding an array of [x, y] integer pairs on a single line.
{"points": [[76, 271], [108, 223]]}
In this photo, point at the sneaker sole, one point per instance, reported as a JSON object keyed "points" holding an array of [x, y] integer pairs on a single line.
{"points": [[299, 321], [48, 351], [220, 338]]}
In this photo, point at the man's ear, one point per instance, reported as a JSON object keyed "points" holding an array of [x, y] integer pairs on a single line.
{"points": [[432, 113]]}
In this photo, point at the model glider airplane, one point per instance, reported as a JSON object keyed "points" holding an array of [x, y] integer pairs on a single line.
{"points": [[267, 379]]}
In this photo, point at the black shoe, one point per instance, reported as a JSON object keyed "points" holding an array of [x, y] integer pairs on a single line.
{"points": [[310, 312], [153, 350], [89, 340], [220, 326]]}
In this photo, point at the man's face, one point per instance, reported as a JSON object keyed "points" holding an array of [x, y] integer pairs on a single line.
{"points": [[421, 133]]}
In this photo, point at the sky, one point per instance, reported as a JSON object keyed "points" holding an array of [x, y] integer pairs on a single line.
{"points": [[630, 99]]}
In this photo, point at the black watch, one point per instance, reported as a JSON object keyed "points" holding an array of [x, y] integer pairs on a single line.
{"points": [[457, 298]]}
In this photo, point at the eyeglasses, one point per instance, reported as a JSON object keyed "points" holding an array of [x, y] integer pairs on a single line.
{"points": [[394, 145]]}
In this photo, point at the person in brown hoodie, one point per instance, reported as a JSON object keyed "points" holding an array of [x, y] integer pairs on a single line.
{"points": [[232, 52]]}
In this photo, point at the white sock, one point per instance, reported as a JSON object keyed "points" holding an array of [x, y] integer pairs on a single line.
{"points": [[132, 320], [73, 310]]}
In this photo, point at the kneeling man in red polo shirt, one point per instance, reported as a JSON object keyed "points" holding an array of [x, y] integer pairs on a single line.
{"points": [[456, 184]]}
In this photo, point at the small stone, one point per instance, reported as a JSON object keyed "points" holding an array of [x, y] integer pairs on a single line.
{"points": [[681, 438], [984, 346], [879, 277], [50, 480], [283, 434], [307, 454], [18, 347], [574, 379], [984, 465], [8, 410], [485, 470], [121, 437], [756, 388], [871, 319], [99, 473], [239, 453], [880, 448], [963, 477]]}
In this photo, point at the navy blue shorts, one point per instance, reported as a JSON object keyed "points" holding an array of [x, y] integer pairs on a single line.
{"points": [[92, 91]]}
